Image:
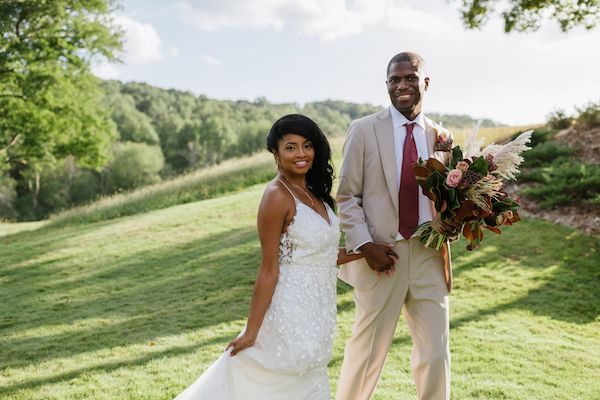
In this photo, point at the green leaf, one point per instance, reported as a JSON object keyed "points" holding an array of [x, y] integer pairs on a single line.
{"points": [[479, 165], [457, 156]]}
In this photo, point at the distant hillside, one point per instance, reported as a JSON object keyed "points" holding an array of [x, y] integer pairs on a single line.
{"points": [[157, 134], [162, 106], [462, 121]]}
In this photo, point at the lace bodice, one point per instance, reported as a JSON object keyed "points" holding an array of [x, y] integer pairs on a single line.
{"points": [[309, 239]]}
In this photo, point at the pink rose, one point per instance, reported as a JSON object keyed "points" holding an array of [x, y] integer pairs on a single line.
{"points": [[462, 166], [453, 178]]}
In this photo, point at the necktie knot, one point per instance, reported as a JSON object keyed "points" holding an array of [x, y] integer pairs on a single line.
{"points": [[409, 127]]}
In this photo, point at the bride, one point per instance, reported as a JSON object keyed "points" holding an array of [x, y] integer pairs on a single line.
{"points": [[283, 351]]}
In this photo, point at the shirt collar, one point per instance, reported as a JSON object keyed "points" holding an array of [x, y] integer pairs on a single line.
{"points": [[399, 120]]}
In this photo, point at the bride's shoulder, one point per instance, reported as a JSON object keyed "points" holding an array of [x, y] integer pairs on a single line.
{"points": [[277, 206], [277, 196], [277, 191]]}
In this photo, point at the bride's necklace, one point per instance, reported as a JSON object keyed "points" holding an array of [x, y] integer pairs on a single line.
{"points": [[305, 190]]}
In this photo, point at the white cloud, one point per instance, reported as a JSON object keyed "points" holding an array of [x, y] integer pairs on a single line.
{"points": [[211, 15], [105, 70], [407, 18], [211, 60], [325, 19], [142, 43]]}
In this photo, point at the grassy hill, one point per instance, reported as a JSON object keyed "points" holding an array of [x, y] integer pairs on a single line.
{"points": [[136, 307], [103, 304]]}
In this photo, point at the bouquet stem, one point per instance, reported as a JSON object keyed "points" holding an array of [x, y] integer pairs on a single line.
{"points": [[430, 237]]}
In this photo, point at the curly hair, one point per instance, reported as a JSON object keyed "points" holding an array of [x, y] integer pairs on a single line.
{"points": [[319, 178]]}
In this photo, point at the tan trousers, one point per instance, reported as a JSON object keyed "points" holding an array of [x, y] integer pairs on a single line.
{"points": [[417, 286]]}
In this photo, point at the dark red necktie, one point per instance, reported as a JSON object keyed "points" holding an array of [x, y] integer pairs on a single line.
{"points": [[408, 194]]}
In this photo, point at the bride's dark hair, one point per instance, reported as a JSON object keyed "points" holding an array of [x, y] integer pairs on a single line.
{"points": [[320, 176]]}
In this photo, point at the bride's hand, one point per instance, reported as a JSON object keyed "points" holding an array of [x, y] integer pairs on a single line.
{"points": [[241, 343]]}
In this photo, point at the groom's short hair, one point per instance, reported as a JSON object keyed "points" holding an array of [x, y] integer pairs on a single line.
{"points": [[408, 56]]}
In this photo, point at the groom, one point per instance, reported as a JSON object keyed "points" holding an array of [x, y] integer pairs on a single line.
{"points": [[380, 205]]}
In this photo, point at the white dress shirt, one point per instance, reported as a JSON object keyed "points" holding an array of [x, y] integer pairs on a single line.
{"points": [[422, 152]]}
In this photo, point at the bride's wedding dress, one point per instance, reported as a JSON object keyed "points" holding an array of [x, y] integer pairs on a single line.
{"points": [[294, 344]]}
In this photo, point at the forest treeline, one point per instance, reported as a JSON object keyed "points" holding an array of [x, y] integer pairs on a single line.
{"points": [[155, 134]]}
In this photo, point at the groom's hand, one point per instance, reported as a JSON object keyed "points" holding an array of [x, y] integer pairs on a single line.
{"points": [[380, 257]]}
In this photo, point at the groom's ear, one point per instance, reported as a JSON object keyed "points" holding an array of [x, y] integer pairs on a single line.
{"points": [[426, 80]]}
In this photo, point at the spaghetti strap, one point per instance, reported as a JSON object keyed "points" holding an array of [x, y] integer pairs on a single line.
{"points": [[287, 187]]}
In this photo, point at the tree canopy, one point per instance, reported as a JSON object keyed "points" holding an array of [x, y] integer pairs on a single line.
{"points": [[49, 106], [527, 15]]}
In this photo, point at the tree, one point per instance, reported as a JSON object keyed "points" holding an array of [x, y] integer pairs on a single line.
{"points": [[527, 15], [49, 100], [7, 198], [133, 165], [132, 124]]}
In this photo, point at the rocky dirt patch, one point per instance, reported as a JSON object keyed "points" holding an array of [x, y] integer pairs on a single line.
{"points": [[586, 141], [585, 218]]}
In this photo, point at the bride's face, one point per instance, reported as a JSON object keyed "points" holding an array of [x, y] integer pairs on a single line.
{"points": [[295, 154]]}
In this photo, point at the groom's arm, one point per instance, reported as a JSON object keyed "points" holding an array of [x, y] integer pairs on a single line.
{"points": [[350, 191]]}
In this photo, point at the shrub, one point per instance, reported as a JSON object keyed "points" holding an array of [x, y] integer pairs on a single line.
{"points": [[546, 153], [133, 165], [7, 198], [559, 120], [566, 183], [85, 186], [589, 117], [538, 136]]}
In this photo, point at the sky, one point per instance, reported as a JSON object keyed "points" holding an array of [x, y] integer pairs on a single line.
{"points": [[311, 50]]}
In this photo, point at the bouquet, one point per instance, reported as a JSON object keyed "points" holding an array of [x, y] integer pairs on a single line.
{"points": [[469, 191]]}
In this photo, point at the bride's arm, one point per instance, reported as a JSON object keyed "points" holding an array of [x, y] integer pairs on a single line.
{"points": [[275, 209], [343, 256]]}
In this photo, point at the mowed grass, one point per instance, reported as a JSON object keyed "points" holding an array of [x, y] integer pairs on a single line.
{"points": [[137, 307]]}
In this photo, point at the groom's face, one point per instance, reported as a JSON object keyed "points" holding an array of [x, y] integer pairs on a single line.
{"points": [[406, 85]]}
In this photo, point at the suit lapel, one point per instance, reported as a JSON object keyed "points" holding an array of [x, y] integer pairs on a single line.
{"points": [[384, 134], [430, 135]]}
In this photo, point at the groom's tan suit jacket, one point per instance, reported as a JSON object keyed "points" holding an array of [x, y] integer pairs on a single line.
{"points": [[367, 196]]}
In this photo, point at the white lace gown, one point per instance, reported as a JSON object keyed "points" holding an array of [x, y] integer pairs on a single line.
{"points": [[294, 344]]}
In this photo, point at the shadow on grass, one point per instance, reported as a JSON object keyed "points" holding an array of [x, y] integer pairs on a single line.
{"points": [[208, 281], [151, 294], [19, 247], [561, 264], [111, 366]]}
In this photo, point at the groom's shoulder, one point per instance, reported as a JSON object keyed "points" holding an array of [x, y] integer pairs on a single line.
{"points": [[436, 126], [370, 119], [430, 122]]}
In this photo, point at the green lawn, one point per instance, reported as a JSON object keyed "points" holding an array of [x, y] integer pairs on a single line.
{"points": [[137, 307]]}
